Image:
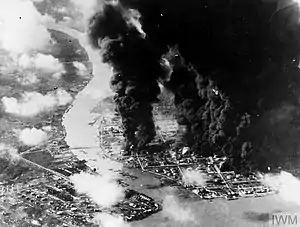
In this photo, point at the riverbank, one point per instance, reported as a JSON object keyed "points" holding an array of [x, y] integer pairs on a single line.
{"points": [[79, 133]]}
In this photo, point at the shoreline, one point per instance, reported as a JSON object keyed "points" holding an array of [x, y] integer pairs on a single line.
{"points": [[77, 119]]}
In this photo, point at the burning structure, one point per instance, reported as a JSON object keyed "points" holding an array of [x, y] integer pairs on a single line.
{"points": [[222, 60], [204, 177]]}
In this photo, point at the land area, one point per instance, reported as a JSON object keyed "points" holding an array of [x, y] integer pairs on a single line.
{"points": [[218, 212], [67, 50], [247, 211]]}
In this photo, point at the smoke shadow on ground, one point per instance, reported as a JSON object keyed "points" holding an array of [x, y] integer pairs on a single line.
{"points": [[153, 187], [258, 216], [163, 183], [155, 148], [187, 195]]}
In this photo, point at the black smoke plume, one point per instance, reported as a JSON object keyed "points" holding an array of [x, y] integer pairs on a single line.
{"points": [[136, 63], [234, 74]]}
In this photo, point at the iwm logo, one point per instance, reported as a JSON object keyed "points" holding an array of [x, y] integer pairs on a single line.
{"points": [[284, 220]]}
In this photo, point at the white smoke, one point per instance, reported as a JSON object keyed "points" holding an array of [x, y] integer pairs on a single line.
{"points": [[33, 103], [133, 19], [87, 9], [47, 19], [108, 167], [194, 177], [47, 128], [116, 148], [7, 150], [23, 34], [27, 78], [81, 68], [32, 136], [62, 97], [44, 62], [177, 211], [281, 4], [287, 185], [21, 27], [62, 10], [107, 220], [103, 190]]}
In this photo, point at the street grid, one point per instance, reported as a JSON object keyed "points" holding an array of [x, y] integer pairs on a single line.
{"points": [[229, 185], [47, 193]]}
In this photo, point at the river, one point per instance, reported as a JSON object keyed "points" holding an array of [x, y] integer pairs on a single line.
{"points": [[79, 133], [76, 121]]}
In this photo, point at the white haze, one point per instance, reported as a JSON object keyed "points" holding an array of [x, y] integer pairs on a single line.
{"points": [[32, 136], [133, 19], [26, 39], [101, 189], [44, 62], [194, 177], [27, 78], [7, 151], [289, 2], [177, 211], [287, 185], [21, 27], [10, 153], [47, 128], [33, 103], [87, 9], [107, 220], [81, 68]]}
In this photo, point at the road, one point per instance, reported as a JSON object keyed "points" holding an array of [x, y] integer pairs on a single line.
{"points": [[80, 133]]}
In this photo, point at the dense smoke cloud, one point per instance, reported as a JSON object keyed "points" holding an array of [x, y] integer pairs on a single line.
{"points": [[194, 177], [32, 136], [229, 79], [47, 128], [25, 43], [27, 78], [7, 151], [33, 103], [136, 88], [176, 211], [107, 220], [81, 68], [21, 17], [285, 184], [44, 62], [101, 189], [84, 10], [86, 7]]}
